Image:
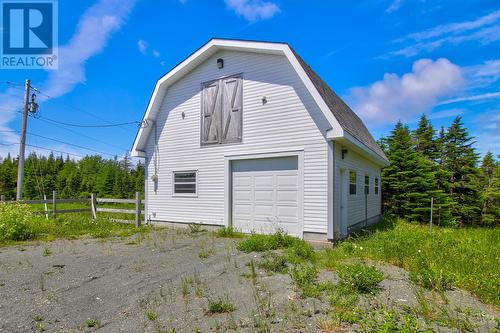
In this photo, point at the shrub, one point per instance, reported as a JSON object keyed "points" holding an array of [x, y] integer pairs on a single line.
{"points": [[273, 262], [221, 305], [361, 278], [14, 222]]}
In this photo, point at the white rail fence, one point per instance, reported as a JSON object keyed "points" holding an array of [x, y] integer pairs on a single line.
{"points": [[51, 209]]}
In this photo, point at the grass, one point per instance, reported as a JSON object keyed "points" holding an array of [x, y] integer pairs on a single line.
{"points": [[228, 232], [220, 305], [92, 323], [205, 253], [295, 250], [273, 262], [362, 279], [73, 226], [151, 315], [464, 257]]}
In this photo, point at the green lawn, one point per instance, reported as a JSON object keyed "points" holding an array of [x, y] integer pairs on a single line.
{"points": [[468, 258]]}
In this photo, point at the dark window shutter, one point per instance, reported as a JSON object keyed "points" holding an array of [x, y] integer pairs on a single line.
{"points": [[211, 115], [232, 109]]}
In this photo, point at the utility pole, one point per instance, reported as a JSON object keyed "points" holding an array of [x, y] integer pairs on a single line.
{"points": [[22, 144]]}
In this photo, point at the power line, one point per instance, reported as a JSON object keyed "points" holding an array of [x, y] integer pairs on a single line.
{"points": [[55, 150], [44, 148], [63, 142], [78, 109], [82, 135], [91, 126]]}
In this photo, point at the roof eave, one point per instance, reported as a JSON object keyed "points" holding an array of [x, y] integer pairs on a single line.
{"points": [[362, 148]]}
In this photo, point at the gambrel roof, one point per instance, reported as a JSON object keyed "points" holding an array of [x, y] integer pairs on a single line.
{"points": [[346, 125]]}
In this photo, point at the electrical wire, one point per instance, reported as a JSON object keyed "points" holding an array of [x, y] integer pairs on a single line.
{"points": [[83, 135], [44, 148], [92, 126], [63, 142], [78, 109]]}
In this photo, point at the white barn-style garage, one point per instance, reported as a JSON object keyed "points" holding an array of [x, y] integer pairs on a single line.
{"points": [[245, 133]]}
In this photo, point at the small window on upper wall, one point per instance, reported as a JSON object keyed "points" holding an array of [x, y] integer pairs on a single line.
{"points": [[184, 183], [352, 182], [376, 185], [367, 184]]}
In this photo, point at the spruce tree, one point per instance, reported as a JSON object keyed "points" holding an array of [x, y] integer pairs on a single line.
{"points": [[460, 161], [490, 190], [424, 136]]}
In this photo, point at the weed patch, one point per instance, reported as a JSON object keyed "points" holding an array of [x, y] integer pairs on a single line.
{"points": [[432, 278], [273, 262], [360, 278], [228, 232], [305, 275], [220, 305], [464, 257], [151, 315]]}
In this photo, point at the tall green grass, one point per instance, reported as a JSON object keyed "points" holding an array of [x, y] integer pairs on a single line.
{"points": [[18, 224], [468, 258]]}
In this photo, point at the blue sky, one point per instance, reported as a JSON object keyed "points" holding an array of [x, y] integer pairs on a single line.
{"points": [[389, 59]]}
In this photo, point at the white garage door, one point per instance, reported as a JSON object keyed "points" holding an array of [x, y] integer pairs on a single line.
{"points": [[265, 195]]}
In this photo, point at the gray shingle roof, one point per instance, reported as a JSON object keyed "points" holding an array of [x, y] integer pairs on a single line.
{"points": [[346, 117]]}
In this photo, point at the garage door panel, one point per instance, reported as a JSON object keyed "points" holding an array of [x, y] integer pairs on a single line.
{"points": [[264, 210], [240, 209], [288, 196], [242, 195], [287, 211], [288, 180], [263, 181], [240, 181], [265, 195]]}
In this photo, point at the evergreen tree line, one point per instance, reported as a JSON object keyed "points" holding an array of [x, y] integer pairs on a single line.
{"points": [[442, 165], [110, 178]]}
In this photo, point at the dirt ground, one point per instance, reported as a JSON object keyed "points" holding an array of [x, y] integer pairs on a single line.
{"points": [[163, 282]]}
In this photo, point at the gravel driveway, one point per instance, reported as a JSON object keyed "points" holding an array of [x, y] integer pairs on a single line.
{"points": [[163, 281]]}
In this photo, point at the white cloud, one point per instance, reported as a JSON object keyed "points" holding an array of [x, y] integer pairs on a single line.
{"points": [[394, 6], [253, 10], [488, 135], [142, 46], [407, 96], [483, 75], [485, 30], [478, 97], [156, 54], [93, 31]]}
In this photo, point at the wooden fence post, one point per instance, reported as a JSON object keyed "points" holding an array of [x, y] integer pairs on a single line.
{"points": [[93, 205], [54, 204], [2, 198], [137, 209]]}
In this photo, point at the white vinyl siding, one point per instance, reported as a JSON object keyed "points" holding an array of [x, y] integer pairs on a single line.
{"points": [[290, 120], [356, 203]]}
